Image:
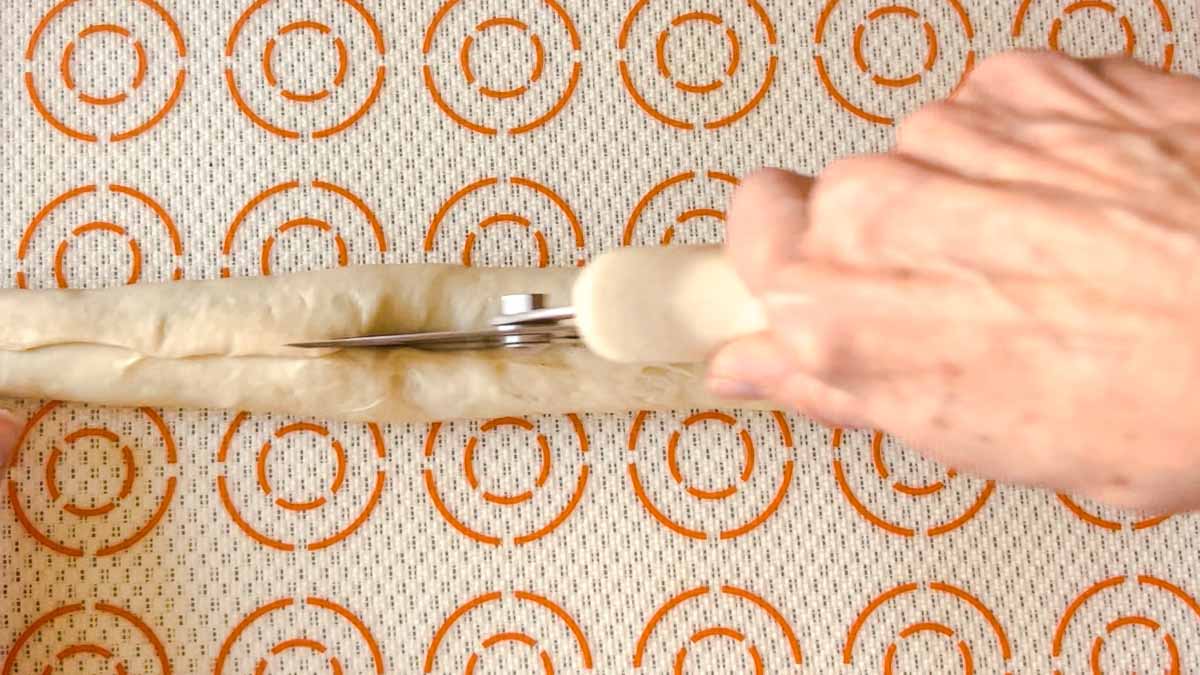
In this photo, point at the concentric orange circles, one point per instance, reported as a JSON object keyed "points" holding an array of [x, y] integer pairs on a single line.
{"points": [[140, 530], [855, 55], [734, 594], [684, 88], [345, 529], [745, 474], [119, 614], [1156, 630], [522, 222], [683, 219], [496, 95], [507, 501], [904, 490], [342, 249], [335, 612], [960, 597], [304, 98], [534, 602], [1067, 8], [101, 228], [115, 102]]}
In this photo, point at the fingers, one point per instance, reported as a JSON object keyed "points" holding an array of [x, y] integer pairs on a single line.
{"points": [[767, 215], [896, 213], [1006, 146], [10, 432], [1050, 85], [760, 368]]}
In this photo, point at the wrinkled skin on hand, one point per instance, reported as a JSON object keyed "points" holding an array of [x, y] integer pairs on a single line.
{"points": [[1014, 289]]}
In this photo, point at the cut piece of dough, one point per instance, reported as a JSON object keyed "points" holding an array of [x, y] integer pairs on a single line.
{"points": [[220, 344]]}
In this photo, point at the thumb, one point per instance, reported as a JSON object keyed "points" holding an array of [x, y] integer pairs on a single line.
{"points": [[768, 214], [748, 368], [10, 434], [759, 368]]}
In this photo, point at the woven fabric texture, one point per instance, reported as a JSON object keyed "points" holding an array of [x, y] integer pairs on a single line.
{"points": [[153, 140]]}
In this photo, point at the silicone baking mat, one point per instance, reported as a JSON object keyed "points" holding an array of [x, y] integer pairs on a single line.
{"points": [[148, 141]]}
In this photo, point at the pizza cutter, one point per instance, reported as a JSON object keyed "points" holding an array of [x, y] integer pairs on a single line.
{"points": [[631, 305]]}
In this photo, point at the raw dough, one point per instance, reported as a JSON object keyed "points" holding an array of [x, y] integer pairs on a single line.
{"points": [[220, 344]]}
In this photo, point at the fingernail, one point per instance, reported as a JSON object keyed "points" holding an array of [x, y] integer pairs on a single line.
{"points": [[735, 390], [10, 432]]}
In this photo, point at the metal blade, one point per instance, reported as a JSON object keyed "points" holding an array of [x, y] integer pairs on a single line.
{"points": [[487, 338]]}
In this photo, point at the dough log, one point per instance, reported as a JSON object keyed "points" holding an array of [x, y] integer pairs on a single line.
{"points": [[220, 345]]}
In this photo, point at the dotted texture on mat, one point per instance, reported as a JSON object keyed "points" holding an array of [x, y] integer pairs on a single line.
{"points": [[151, 140]]}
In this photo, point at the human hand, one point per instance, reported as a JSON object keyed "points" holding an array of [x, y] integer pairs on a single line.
{"points": [[10, 433], [1013, 289]]}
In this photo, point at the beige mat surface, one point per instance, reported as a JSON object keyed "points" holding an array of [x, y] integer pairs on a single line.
{"points": [[147, 141]]}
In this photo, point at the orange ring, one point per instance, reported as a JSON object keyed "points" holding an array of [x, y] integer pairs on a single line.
{"points": [[914, 491], [169, 445], [139, 73], [692, 88], [759, 603], [260, 471], [1168, 57], [1104, 523], [464, 64], [936, 587], [309, 97], [300, 643], [747, 464], [122, 614], [1100, 586], [860, 59], [430, 447], [60, 253], [343, 252], [494, 22], [135, 248], [684, 217], [514, 636], [543, 247], [62, 127], [673, 469], [51, 480], [469, 461]]}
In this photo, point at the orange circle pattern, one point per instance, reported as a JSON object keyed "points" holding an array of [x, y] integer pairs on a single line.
{"points": [[504, 500], [737, 595], [1067, 8], [121, 615], [536, 602], [1095, 653], [100, 228], [726, 494], [936, 588], [305, 98], [50, 484], [687, 89], [902, 489], [334, 610], [115, 101], [324, 435], [496, 95], [637, 219], [305, 222], [854, 50], [467, 256]]}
